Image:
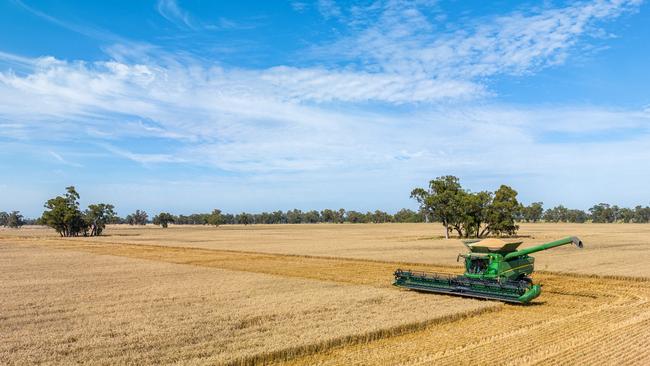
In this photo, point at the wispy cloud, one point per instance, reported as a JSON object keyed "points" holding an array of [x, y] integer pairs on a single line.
{"points": [[397, 37], [183, 19], [88, 31], [63, 161], [170, 10], [144, 159], [9, 57]]}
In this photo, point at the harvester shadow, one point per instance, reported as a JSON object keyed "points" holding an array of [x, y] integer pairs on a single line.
{"points": [[531, 304], [516, 304]]}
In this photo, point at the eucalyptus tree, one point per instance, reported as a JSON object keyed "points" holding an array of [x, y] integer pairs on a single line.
{"points": [[163, 219]]}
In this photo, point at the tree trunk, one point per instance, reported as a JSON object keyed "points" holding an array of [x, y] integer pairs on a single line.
{"points": [[446, 231]]}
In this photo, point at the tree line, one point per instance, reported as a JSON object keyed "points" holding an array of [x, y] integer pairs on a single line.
{"points": [[496, 213], [295, 216], [64, 215], [12, 219], [461, 212], [599, 213]]}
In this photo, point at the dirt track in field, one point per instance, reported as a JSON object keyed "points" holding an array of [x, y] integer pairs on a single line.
{"points": [[578, 319]]}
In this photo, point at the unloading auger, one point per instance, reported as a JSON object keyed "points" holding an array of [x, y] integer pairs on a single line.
{"points": [[494, 269]]}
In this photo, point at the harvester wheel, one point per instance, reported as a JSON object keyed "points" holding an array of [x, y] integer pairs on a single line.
{"points": [[528, 280]]}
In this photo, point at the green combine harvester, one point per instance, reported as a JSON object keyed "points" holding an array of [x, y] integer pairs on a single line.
{"points": [[494, 270]]}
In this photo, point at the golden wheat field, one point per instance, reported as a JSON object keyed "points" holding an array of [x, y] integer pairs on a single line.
{"points": [[312, 295]]}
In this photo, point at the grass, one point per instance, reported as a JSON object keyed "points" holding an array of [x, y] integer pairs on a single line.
{"points": [[312, 295]]}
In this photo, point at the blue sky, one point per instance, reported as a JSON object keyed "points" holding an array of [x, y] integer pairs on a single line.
{"points": [[186, 106]]}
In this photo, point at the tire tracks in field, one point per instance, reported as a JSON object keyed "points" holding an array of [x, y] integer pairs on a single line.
{"points": [[573, 319]]}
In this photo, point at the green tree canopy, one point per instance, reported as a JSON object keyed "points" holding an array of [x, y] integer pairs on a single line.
{"points": [[215, 218], [15, 220], [356, 217], [163, 219], [406, 215], [137, 218], [603, 212], [294, 216], [533, 212], [97, 216], [63, 214], [443, 201], [245, 218], [469, 214], [502, 212]]}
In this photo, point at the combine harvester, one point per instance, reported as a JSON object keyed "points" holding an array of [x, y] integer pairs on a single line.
{"points": [[494, 270]]}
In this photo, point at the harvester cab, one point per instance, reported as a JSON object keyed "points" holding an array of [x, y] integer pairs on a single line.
{"points": [[485, 259], [494, 269]]}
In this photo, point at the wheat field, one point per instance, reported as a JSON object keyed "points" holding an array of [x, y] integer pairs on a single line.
{"points": [[311, 295], [70, 306]]}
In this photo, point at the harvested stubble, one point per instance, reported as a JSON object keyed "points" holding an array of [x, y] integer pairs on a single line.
{"points": [[64, 306], [582, 321], [579, 321]]}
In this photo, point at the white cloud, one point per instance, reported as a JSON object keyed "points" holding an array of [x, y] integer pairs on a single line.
{"points": [[396, 59], [258, 122], [322, 85], [398, 38], [397, 113]]}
